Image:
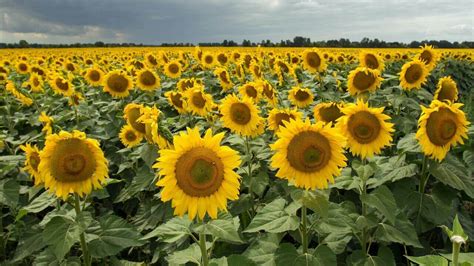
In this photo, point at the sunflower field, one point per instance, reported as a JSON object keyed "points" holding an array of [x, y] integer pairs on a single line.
{"points": [[236, 156]]}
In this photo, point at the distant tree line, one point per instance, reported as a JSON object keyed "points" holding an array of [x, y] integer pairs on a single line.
{"points": [[297, 41]]}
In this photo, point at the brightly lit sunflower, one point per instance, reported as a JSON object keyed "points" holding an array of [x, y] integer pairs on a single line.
{"points": [[131, 113], [32, 161], [328, 112], [198, 101], [147, 80], [224, 78], [362, 80], [276, 117], [35, 83], [313, 61], [371, 60], [366, 129], [173, 69], [198, 174], [268, 92], [208, 60], [428, 56], [441, 126], [413, 75], [446, 90], [118, 84], [24, 100], [175, 98], [149, 117], [94, 76], [22, 67], [300, 97], [129, 136], [251, 90], [61, 85], [308, 155], [72, 163], [240, 115]]}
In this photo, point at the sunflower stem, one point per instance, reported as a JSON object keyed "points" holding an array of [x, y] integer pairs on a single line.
{"points": [[424, 176], [363, 193], [85, 251], [304, 228], [455, 255], [202, 245]]}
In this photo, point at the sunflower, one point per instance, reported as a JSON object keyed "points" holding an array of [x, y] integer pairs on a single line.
{"points": [[118, 84], [3, 78], [47, 123], [198, 174], [197, 101], [366, 129], [175, 98], [72, 163], [240, 115], [328, 112], [313, 61], [276, 117], [173, 69], [208, 60], [268, 92], [300, 97], [428, 56], [32, 161], [184, 84], [150, 60], [371, 60], [129, 136], [362, 79], [61, 85], [224, 78], [308, 155], [147, 80], [413, 75], [35, 83], [256, 70], [149, 117], [447, 90], [22, 67], [94, 76], [251, 90], [441, 126], [131, 113], [25, 100]]}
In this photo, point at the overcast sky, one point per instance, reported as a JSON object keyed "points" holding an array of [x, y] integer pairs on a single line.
{"points": [[154, 22]]}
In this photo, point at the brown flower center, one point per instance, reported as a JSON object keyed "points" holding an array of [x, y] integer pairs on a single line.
{"points": [[330, 114], [176, 100], [364, 127], [117, 82], [447, 92], [94, 75], [313, 59], [441, 126], [240, 113], [147, 78], [363, 81], [198, 100], [371, 61], [301, 95], [62, 84], [72, 161], [251, 91], [413, 73], [280, 117], [173, 68], [309, 152], [132, 115]]}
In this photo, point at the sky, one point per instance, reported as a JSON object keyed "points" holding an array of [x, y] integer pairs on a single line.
{"points": [[169, 21]]}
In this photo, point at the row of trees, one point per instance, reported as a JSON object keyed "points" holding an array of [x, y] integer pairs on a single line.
{"points": [[297, 41]]}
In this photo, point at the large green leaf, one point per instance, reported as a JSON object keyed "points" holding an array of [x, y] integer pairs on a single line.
{"points": [[60, 233], [223, 228], [190, 254], [111, 235], [273, 218], [41, 202], [402, 232], [382, 199], [172, 231], [429, 260], [9, 192], [392, 170], [453, 173], [262, 250]]}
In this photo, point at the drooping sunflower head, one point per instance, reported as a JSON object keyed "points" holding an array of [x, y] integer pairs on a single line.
{"points": [[198, 101], [198, 174], [441, 126], [131, 113], [300, 97], [72, 163], [175, 98], [256, 70], [240, 115], [362, 80], [151, 60], [147, 80], [446, 90], [308, 155], [32, 161], [250, 90], [371, 60], [173, 69], [224, 78], [61, 85], [35, 83], [129, 136], [367, 129], [268, 92], [276, 117], [413, 75], [313, 61], [185, 84], [118, 84], [328, 112], [428, 56], [94, 76]]}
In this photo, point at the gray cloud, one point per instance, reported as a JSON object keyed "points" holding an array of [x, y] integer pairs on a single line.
{"points": [[152, 22]]}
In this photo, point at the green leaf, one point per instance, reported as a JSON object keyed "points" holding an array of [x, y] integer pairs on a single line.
{"points": [[409, 144], [60, 233], [382, 199], [223, 229], [462, 258], [111, 236], [453, 173], [28, 245], [9, 192], [40, 203], [286, 254], [324, 255], [316, 200], [272, 218], [191, 254], [394, 169], [401, 232], [239, 260], [468, 157], [172, 231], [429, 260], [262, 250], [346, 180], [386, 255]]}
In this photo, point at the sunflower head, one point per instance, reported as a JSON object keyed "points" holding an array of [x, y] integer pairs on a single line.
{"points": [[371, 60], [240, 115], [224, 78], [313, 61], [428, 56], [277, 117], [413, 75], [198, 175], [366, 129], [61, 85], [129, 136], [94, 76], [131, 113], [362, 80], [22, 67], [32, 161], [208, 60], [308, 155], [175, 98], [173, 69], [72, 163], [198, 101], [147, 80], [250, 90], [446, 90], [441, 126], [300, 97], [328, 112], [118, 84]]}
